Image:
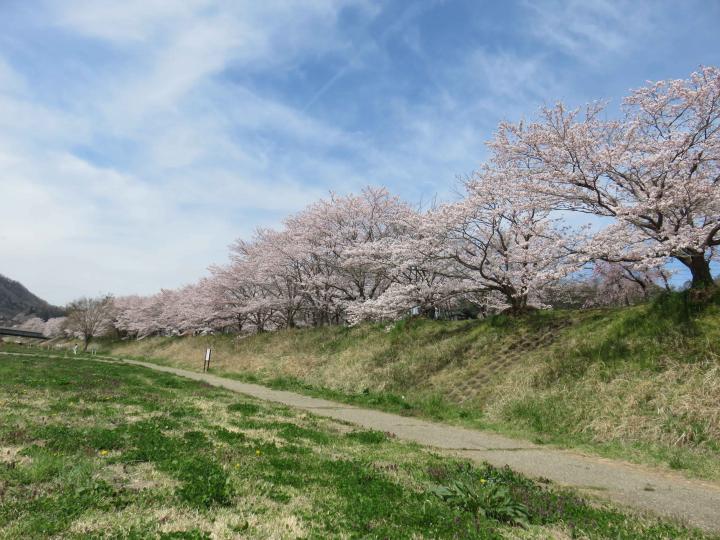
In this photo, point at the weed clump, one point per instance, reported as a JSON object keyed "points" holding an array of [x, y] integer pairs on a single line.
{"points": [[244, 408], [368, 437]]}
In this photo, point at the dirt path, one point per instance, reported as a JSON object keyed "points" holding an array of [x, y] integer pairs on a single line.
{"points": [[692, 501]]}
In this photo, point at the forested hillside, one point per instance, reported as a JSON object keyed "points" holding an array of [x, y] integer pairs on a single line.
{"points": [[17, 303]]}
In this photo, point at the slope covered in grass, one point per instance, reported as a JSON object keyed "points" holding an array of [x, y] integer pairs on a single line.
{"points": [[641, 382], [97, 450]]}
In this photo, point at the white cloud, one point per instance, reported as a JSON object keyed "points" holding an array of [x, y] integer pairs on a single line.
{"points": [[123, 22], [589, 31]]}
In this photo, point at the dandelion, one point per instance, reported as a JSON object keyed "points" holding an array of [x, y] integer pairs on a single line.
{"points": [[237, 465], [258, 452], [104, 452], [483, 481]]}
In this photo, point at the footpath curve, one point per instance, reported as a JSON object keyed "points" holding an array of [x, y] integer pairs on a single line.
{"points": [[694, 502]]}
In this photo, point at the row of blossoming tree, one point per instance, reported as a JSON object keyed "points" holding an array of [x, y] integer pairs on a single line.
{"points": [[650, 178]]}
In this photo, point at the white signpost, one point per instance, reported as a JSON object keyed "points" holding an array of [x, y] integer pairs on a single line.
{"points": [[208, 354]]}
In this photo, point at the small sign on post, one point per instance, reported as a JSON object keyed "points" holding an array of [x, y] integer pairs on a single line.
{"points": [[208, 353]]}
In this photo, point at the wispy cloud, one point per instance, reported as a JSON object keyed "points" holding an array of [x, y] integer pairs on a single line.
{"points": [[590, 30]]}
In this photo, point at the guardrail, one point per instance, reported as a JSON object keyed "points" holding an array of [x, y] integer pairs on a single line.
{"points": [[21, 333]]}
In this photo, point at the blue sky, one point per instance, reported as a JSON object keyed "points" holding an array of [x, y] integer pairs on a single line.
{"points": [[139, 138]]}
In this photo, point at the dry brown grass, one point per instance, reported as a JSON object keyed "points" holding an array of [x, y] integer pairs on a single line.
{"points": [[677, 406], [137, 477], [10, 455]]}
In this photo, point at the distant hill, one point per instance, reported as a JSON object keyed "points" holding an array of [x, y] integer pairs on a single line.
{"points": [[18, 304]]}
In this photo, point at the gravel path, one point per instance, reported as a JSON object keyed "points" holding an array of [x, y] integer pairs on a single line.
{"points": [[692, 501]]}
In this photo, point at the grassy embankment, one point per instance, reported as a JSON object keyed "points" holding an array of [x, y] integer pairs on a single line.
{"points": [[97, 450], [640, 383]]}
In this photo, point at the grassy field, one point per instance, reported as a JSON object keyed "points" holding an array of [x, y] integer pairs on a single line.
{"points": [[639, 383], [98, 450]]}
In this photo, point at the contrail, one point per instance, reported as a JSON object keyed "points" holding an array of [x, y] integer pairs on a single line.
{"points": [[407, 16]]}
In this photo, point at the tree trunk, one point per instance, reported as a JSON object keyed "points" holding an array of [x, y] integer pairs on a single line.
{"points": [[518, 304], [700, 269], [86, 340]]}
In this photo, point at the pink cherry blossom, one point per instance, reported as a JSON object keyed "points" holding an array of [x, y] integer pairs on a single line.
{"points": [[655, 172]]}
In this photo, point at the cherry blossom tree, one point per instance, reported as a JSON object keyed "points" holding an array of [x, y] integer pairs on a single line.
{"points": [[90, 317], [187, 310], [655, 172], [420, 282], [623, 284], [34, 324], [330, 233], [54, 327], [501, 242], [240, 297], [227, 298], [272, 264], [136, 316]]}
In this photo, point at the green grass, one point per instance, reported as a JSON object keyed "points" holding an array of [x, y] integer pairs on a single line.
{"points": [[640, 383], [100, 450]]}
